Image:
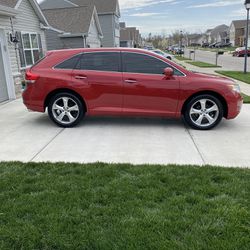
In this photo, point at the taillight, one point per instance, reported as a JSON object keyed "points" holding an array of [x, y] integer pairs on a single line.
{"points": [[31, 77]]}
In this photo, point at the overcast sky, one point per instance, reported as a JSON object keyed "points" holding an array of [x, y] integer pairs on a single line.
{"points": [[158, 16]]}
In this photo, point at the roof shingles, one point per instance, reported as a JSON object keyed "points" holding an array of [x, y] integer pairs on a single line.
{"points": [[70, 20], [9, 3]]}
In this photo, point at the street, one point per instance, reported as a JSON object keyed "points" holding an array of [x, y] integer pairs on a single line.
{"points": [[227, 61]]}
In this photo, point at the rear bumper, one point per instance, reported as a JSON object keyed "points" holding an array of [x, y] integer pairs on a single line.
{"points": [[32, 103]]}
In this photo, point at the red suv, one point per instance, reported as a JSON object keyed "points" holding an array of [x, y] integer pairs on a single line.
{"points": [[130, 82]]}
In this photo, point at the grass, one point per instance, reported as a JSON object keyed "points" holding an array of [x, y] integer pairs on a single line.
{"points": [[101, 206], [204, 65], [182, 58], [238, 75], [246, 98]]}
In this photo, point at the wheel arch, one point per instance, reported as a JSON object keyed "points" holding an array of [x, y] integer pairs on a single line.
{"points": [[63, 90], [207, 92]]}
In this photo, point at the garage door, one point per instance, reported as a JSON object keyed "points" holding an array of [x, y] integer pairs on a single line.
{"points": [[3, 85]]}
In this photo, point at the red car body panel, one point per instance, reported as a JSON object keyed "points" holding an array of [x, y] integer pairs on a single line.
{"points": [[118, 93]]}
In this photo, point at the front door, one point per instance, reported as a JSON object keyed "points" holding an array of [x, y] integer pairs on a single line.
{"points": [[146, 89], [3, 83], [100, 74]]}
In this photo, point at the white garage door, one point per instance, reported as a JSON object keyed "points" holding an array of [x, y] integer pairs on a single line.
{"points": [[3, 85]]}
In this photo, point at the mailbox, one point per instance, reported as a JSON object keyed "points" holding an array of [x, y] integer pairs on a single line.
{"points": [[220, 53]]}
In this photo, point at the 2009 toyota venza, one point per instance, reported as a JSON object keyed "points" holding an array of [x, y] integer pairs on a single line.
{"points": [[131, 82]]}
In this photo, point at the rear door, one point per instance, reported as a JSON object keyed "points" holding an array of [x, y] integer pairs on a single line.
{"points": [[100, 72]]}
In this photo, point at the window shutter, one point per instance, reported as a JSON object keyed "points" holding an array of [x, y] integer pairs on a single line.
{"points": [[20, 49], [40, 46]]}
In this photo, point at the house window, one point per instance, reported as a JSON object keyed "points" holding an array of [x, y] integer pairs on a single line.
{"points": [[31, 49]]}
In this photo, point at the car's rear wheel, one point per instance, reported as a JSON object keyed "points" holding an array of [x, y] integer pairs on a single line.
{"points": [[203, 112], [66, 110]]}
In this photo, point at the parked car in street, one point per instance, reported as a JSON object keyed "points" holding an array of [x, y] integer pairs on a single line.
{"points": [[223, 45], [129, 82], [213, 45], [205, 45], [241, 51], [166, 55]]}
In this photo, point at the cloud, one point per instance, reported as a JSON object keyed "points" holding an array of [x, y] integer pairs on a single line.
{"points": [[217, 4], [239, 13], [130, 4], [144, 14]]}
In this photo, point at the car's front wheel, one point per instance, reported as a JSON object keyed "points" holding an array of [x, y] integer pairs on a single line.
{"points": [[203, 112], [66, 110]]}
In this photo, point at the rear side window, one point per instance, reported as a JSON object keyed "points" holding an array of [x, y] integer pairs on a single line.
{"points": [[100, 61], [69, 63]]}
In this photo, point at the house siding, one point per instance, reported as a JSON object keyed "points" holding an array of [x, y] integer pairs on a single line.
{"points": [[55, 42], [26, 21], [72, 42], [93, 39], [107, 25]]}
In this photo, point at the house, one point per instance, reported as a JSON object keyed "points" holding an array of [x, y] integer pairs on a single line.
{"points": [[220, 34], [195, 39], [130, 36], [237, 33], [22, 42], [108, 13], [73, 27]]}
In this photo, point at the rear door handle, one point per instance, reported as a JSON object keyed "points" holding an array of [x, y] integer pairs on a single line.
{"points": [[130, 81], [80, 77]]}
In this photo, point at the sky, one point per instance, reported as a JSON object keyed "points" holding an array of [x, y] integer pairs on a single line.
{"points": [[167, 16]]}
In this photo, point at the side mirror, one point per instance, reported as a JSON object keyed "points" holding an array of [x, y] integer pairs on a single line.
{"points": [[168, 72]]}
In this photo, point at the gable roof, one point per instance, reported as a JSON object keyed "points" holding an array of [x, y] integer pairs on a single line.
{"points": [[56, 4], [238, 24], [16, 3], [74, 20], [9, 3], [219, 29], [102, 7]]}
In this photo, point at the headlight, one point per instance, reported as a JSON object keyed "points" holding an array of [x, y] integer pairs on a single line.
{"points": [[235, 87]]}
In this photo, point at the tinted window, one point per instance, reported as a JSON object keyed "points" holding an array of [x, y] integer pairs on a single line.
{"points": [[69, 64], [138, 63], [100, 61]]}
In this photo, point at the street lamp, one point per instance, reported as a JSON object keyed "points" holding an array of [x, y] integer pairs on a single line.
{"points": [[247, 5], [181, 36]]}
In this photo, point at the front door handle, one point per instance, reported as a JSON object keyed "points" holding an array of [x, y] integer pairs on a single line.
{"points": [[130, 81], [80, 77]]}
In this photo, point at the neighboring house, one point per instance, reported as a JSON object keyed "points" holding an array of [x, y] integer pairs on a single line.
{"points": [[129, 37], [22, 42], [195, 39], [109, 15], [220, 34], [73, 27], [237, 32]]}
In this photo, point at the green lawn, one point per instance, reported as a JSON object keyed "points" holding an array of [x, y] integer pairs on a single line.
{"points": [[101, 206], [204, 65], [182, 58], [246, 98], [238, 75]]}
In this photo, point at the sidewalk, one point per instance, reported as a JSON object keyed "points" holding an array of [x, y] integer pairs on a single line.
{"points": [[245, 88]]}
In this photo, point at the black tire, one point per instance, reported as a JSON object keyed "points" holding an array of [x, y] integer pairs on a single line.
{"points": [[204, 114], [169, 58], [70, 118]]}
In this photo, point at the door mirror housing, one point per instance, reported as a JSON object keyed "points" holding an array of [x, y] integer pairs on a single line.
{"points": [[168, 72]]}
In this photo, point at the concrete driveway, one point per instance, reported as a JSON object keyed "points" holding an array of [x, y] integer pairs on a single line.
{"points": [[28, 136]]}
